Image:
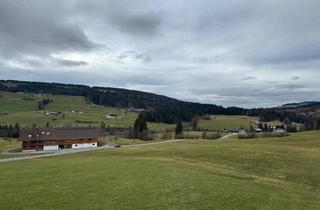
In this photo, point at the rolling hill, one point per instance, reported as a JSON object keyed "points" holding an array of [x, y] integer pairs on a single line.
{"points": [[277, 173], [73, 111], [157, 108]]}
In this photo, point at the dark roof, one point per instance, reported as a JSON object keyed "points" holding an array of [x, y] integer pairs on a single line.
{"points": [[42, 134]]}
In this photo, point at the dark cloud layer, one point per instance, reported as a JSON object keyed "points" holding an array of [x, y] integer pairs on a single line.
{"points": [[34, 29], [238, 52]]}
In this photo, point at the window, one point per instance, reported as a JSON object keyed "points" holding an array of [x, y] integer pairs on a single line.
{"points": [[76, 145], [93, 144]]}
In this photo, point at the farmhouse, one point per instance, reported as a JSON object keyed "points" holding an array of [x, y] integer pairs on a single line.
{"points": [[279, 130], [52, 113], [257, 130], [112, 116], [234, 130], [38, 139]]}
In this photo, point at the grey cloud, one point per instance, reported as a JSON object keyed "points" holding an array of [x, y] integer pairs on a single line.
{"points": [[249, 78], [200, 50], [90, 78], [145, 25], [33, 29], [70, 63], [255, 97], [135, 55], [290, 87], [130, 18]]}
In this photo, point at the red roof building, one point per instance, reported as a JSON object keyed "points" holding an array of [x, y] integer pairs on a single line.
{"points": [[38, 139]]}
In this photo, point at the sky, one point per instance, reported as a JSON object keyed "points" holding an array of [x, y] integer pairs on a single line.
{"points": [[244, 53]]}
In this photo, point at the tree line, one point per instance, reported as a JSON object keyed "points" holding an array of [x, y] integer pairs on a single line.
{"points": [[10, 131], [43, 103]]}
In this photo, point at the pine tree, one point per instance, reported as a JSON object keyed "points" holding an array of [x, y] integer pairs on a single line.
{"points": [[179, 128], [103, 126], [194, 123], [140, 125]]}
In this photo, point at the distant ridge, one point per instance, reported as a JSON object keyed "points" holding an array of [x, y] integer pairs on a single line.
{"points": [[301, 104], [158, 108]]}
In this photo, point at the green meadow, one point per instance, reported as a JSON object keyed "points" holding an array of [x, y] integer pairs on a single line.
{"points": [[272, 173], [226, 121], [9, 148], [75, 111]]}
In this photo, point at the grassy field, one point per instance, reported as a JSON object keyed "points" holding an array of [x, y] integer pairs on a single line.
{"points": [[22, 108], [273, 173], [17, 107], [5, 144], [121, 141], [225, 122]]}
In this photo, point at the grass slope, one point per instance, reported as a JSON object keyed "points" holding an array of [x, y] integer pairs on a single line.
{"points": [[277, 173], [10, 145], [226, 121], [17, 107]]}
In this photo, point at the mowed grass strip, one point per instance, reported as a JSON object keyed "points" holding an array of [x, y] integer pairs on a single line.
{"points": [[226, 121], [278, 173]]}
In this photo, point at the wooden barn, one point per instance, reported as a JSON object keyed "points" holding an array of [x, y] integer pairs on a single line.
{"points": [[38, 139]]}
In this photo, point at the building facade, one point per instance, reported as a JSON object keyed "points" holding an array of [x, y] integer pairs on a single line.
{"points": [[38, 139]]}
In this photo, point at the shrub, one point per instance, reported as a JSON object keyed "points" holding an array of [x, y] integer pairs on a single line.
{"points": [[263, 135]]}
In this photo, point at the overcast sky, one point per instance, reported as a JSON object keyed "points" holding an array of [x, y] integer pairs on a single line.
{"points": [[234, 53]]}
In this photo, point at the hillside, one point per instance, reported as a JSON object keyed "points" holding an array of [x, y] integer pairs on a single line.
{"points": [[158, 108], [277, 173], [300, 105], [73, 111], [305, 113]]}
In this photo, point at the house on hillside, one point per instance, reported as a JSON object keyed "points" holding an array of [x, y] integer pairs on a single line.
{"points": [[112, 116], [257, 130], [242, 132], [234, 130], [131, 109], [38, 139], [52, 113], [279, 130]]}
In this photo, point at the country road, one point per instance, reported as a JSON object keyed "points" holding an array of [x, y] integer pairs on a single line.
{"points": [[227, 136], [71, 151]]}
